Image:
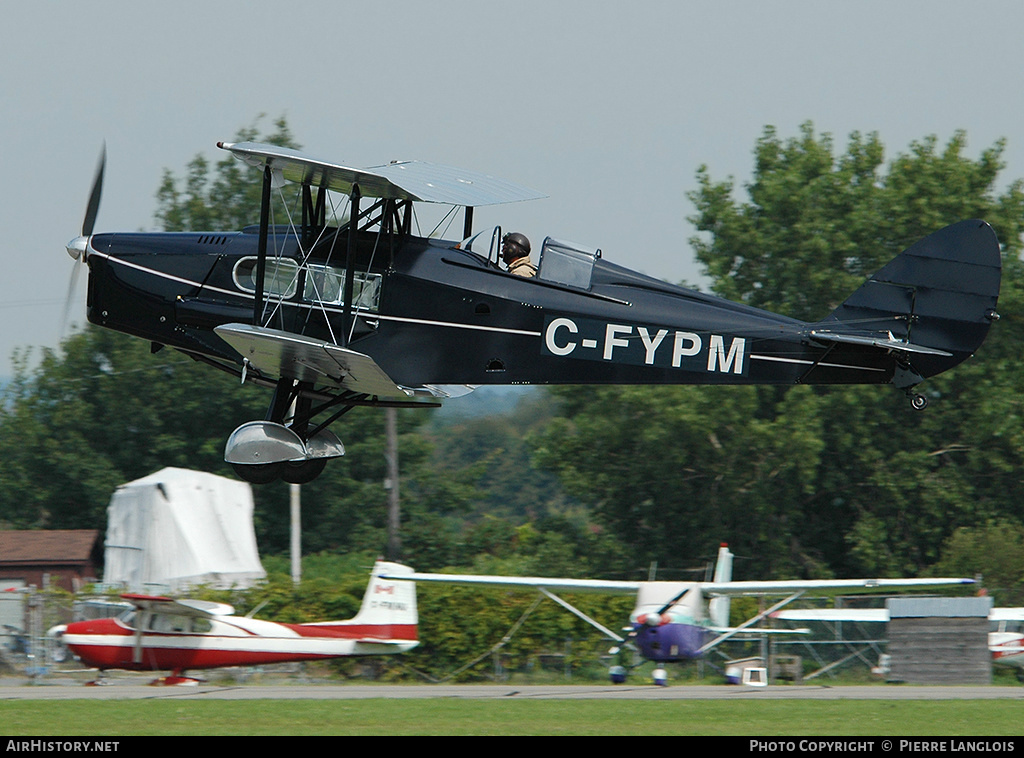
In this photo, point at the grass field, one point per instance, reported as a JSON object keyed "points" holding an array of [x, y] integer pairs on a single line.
{"points": [[875, 718]]}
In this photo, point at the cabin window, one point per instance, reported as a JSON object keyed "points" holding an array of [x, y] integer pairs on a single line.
{"points": [[280, 278], [171, 624], [326, 284]]}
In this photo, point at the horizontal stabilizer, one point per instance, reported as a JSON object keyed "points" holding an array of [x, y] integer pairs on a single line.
{"points": [[833, 614], [756, 631], [889, 343]]}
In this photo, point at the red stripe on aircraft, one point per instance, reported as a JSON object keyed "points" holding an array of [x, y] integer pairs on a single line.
{"points": [[356, 631]]}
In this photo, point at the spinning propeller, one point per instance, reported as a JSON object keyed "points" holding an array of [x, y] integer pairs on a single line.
{"points": [[77, 247]]}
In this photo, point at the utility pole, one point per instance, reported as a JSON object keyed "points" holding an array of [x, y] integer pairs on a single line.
{"points": [[394, 551], [295, 498]]}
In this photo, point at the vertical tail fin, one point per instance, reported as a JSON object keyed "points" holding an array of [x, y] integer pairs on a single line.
{"points": [[389, 605], [939, 294], [718, 607]]}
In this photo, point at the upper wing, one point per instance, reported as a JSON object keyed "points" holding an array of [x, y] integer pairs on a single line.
{"points": [[183, 607], [522, 582], [785, 586], [400, 180], [710, 588]]}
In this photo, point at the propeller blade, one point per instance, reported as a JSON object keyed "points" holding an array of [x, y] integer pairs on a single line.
{"points": [[93, 208], [664, 609], [77, 247], [72, 286]]}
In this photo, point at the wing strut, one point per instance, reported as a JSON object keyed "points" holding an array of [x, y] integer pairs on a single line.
{"points": [[261, 252], [750, 622], [580, 614], [141, 620], [350, 262]]}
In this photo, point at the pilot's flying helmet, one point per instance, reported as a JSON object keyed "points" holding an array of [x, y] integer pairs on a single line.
{"points": [[517, 239]]}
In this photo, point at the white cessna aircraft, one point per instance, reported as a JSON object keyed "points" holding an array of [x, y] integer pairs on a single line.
{"points": [[677, 621]]}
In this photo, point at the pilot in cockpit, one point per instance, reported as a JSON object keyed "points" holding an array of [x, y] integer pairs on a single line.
{"points": [[515, 251]]}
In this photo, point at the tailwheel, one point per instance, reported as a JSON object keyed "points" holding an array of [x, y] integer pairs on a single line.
{"points": [[918, 402]]}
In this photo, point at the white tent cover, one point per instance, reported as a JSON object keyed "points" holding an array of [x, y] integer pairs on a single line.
{"points": [[177, 528]]}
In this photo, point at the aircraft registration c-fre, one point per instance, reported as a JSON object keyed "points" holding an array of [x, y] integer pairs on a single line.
{"points": [[337, 315]]}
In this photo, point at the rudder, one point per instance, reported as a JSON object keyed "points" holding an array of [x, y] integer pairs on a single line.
{"points": [[718, 607], [389, 605], [939, 293]]}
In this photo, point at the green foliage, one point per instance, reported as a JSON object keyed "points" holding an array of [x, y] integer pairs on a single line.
{"points": [[814, 481], [460, 626], [817, 225], [226, 201], [993, 551], [102, 412], [494, 452], [801, 481]]}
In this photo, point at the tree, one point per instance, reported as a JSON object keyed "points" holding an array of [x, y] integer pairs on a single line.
{"points": [[814, 481], [101, 412], [995, 552], [227, 200]]}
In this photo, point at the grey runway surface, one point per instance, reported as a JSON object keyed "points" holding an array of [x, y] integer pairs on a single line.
{"points": [[14, 689]]}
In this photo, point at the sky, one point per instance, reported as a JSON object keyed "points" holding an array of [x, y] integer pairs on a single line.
{"points": [[609, 108]]}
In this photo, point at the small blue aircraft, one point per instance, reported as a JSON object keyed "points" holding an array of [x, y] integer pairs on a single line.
{"points": [[679, 621]]}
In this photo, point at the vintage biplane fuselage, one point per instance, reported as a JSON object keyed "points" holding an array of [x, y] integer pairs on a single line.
{"points": [[338, 315], [436, 314]]}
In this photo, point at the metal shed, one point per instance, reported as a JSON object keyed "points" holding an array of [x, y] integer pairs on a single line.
{"points": [[941, 640]]}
